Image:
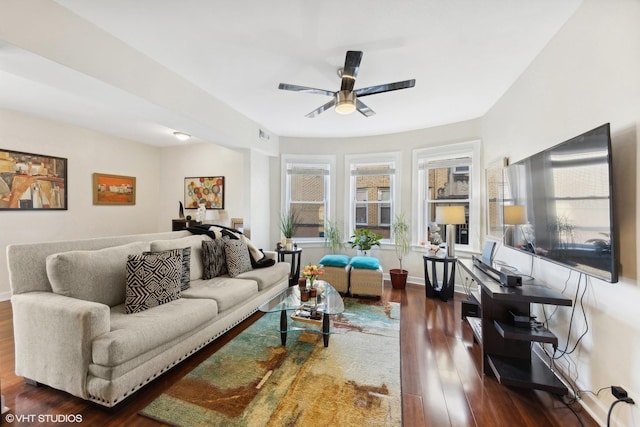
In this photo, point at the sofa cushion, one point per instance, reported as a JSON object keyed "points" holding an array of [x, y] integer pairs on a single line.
{"points": [[213, 259], [237, 256], [334, 260], [98, 276], [194, 242], [367, 262], [267, 277], [185, 276], [226, 291], [134, 334], [153, 279]]}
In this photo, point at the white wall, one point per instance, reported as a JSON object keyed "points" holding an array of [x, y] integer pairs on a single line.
{"points": [[404, 143], [257, 189], [87, 152], [589, 74], [196, 160]]}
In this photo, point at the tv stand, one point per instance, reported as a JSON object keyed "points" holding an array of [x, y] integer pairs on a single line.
{"points": [[506, 349]]}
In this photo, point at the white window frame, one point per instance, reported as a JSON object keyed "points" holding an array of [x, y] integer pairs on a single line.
{"points": [[330, 184], [394, 159], [444, 153]]}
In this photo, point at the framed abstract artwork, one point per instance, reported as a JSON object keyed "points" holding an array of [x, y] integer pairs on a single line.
{"points": [[32, 181], [113, 189], [208, 191]]}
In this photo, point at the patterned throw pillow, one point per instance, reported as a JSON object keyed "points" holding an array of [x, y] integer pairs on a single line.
{"points": [[185, 277], [238, 258], [213, 258], [152, 279]]}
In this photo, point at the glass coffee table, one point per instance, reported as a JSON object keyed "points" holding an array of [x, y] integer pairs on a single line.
{"points": [[288, 303]]}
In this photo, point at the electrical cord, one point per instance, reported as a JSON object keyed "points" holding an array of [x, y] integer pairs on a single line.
{"points": [[625, 400], [566, 283], [572, 410], [584, 315]]}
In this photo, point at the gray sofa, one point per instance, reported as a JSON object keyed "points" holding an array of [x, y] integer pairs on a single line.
{"points": [[74, 335]]}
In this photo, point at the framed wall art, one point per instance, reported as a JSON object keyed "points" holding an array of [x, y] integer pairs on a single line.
{"points": [[32, 181], [237, 223], [113, 189], [208, 191]]}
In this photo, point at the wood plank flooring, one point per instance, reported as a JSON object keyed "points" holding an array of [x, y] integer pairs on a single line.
{"points": [[442, 381]]}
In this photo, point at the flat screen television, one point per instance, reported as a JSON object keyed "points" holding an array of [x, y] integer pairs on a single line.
{"points": [[559, 205]]}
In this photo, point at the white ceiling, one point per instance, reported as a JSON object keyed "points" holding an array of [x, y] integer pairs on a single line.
{"points": [[464, 55]]}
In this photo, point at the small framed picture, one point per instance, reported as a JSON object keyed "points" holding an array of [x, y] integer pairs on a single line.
{"points": [[237, 223], [207, 191], [114, 189]]}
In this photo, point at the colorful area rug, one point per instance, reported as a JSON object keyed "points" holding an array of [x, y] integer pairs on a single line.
{"points": [[254, 381]]}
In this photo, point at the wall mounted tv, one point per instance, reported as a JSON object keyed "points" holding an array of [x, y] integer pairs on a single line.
{"points": [[562, 199]]}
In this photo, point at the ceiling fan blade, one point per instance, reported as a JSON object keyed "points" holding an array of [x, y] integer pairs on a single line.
{"points": [[350, 70], [385, 87], [305, 89], [364, 109], [321, 109]]}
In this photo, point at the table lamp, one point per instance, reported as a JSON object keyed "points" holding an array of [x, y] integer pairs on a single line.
{"points": [[450, 216]]}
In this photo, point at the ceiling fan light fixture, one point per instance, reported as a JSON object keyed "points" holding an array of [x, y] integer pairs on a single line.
{"points": [[345, 102]]}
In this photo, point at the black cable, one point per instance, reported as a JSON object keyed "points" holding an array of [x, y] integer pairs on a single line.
{"points": [[584, 315], [572, 410], [626, 400], [566, 283]]}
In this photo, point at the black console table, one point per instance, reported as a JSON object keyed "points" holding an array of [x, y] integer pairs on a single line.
{"points": [[506, 348]]}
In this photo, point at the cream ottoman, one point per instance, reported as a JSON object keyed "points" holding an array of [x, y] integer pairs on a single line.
{"points": [[336, 271], [365, 277]]}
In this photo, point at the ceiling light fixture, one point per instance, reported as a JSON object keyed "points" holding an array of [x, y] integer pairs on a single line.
{"points": [[345, 102], [181, 136]]}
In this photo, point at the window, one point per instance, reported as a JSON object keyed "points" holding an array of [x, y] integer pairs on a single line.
{"points": [[362, 208], [372, 192], [447, 176], [307, 193]]}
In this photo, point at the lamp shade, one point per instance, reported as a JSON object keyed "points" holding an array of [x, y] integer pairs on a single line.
{"points": [[514, 215], [450, 215]]}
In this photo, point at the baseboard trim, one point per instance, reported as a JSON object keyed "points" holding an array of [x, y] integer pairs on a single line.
{"points": [[5, 296]]}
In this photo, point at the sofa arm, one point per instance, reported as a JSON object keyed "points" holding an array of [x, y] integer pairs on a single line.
{"points": [[53, 335], [271, 255]]}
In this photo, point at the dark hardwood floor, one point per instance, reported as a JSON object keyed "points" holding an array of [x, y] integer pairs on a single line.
{"points": [[442, 381]]}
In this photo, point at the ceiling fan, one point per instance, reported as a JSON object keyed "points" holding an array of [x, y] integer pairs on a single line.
{"points": [[346, 100]]}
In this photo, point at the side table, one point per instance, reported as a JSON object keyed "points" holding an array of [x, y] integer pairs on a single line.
{"points": [[434, 288], [295, 254]]}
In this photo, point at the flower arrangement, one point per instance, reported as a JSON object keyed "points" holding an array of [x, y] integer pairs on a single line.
{"points": [[364, 239], [311, 272]]}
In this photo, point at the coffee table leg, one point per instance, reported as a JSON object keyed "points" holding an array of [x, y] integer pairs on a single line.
{"points": [[325, 329], [283, 327]]}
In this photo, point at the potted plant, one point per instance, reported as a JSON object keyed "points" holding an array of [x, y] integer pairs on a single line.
{"points": [[332, 236], [402, 244], [364, 239], [288, 226]]}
